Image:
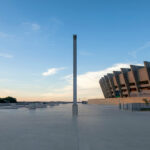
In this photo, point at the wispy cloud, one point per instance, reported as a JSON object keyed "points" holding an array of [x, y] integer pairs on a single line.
{"points": [[4, 35], [52, 71], [88, 84], [33, 26], [54, 25], [134, 52], [5, 55], [56, 21]]}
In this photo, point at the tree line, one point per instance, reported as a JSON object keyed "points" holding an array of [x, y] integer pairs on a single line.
{"points": [[8, 100]]}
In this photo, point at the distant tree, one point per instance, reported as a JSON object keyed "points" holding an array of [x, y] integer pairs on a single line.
{"points": [[8, 100], [2, 100]]}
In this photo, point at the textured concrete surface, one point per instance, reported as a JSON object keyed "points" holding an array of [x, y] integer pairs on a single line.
{"points": [[96, 127]]}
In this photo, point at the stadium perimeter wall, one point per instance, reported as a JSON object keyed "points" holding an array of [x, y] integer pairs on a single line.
{"points": [[116, 101]]}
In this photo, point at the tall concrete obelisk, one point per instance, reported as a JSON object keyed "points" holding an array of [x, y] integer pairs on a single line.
{"points": [[75, 106]]}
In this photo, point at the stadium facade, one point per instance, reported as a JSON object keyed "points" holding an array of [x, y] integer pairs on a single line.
{"points": [[128, 82]]}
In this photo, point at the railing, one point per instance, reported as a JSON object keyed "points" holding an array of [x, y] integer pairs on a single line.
{"points": [[135, 106]]}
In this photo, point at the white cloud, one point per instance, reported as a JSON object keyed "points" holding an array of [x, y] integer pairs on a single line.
{"points": [[33, 26], [88, 85], [5, 55], [52, 71]]}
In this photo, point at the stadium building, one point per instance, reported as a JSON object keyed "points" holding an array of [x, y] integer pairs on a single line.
{"points": [[128, 82]]}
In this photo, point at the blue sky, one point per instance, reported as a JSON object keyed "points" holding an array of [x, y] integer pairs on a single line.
{"points": [[36, 44]]}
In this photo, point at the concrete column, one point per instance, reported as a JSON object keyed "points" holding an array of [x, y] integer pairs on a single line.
{"points": [[74, 69], [116, 75], [108, 86], [102, 84], [147, 66], [102, 87], [110, 78], [134, 70], [75, 106], [125, 76]]}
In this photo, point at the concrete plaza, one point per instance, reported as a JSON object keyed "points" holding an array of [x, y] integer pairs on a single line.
{"points": [[96, 127]]}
